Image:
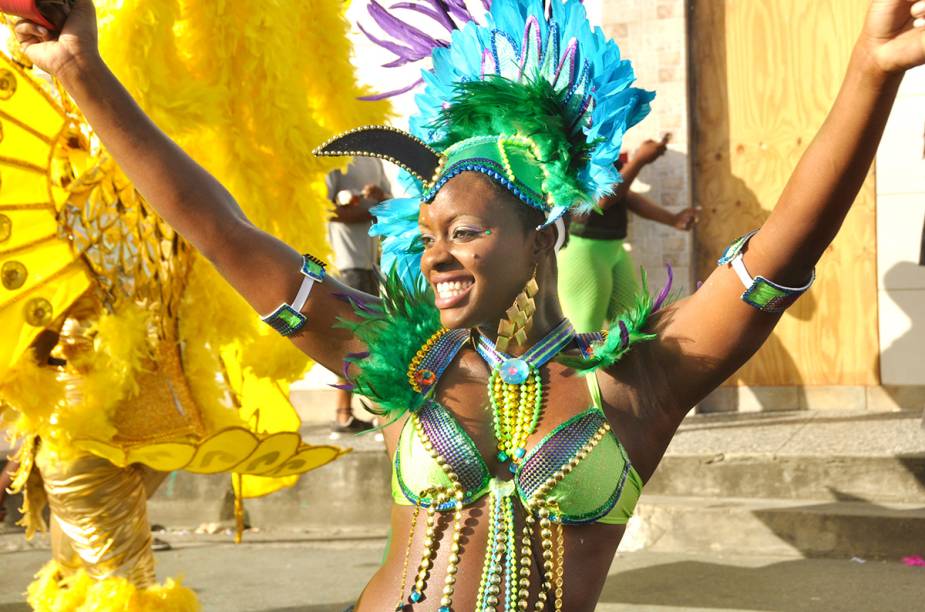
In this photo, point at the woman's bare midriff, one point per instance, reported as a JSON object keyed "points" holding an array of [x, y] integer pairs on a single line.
{"points": [[589, 550]]}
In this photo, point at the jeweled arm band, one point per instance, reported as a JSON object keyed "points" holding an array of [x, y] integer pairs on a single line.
{"points": [[288, 318], [760, 292]]}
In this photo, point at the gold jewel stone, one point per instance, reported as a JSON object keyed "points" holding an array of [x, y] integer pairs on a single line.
{"points": [[7, 84], [13, 275], [38, 312]]}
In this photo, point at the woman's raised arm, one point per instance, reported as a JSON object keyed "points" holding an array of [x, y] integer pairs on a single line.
{"points": [[708, 336], [261, 268]]}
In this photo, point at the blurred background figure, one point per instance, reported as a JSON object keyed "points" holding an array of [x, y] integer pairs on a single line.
{"points": [[6, 479], [355, 252], [597, 276]]}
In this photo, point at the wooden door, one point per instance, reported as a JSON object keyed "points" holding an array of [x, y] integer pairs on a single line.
{"points": [[764, 75]]}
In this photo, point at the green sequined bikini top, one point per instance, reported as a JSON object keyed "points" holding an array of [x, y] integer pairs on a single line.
{"points": [[580, 468]]}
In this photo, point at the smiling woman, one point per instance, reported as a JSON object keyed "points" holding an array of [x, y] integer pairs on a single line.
{"points": [[519, 447], [479, 253]]}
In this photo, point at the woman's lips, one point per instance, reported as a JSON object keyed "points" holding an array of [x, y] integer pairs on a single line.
{"points": [[449, 294]]}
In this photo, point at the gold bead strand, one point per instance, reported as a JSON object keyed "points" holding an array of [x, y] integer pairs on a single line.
{"points": [[560, 565], [493, 590], [417, 593], [481, 598], [452, 568], [526, 418], [548, 566], [404, 569], [526, 561]]}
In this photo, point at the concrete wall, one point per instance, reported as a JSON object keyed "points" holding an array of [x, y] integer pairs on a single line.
{"points": [[900, 219], [653, 35]]}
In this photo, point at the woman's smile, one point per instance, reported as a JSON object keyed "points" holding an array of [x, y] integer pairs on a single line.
{"points": [[452, 292]]}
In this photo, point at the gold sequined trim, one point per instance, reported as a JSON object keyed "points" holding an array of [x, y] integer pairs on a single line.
{"points": [[28, 246]]}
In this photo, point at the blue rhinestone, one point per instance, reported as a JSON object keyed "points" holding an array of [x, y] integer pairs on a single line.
{"points": [[513, 468], [443, 609], [515, 371], [502, 457], [415, 596], [520, 452]]}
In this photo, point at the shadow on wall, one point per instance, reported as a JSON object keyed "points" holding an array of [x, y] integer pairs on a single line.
{"points": [[749, 215], [901, 361]]}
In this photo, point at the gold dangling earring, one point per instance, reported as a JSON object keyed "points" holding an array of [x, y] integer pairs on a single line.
{"points": [[519, 316]]}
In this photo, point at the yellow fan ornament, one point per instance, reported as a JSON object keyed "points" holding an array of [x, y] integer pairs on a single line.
{"points": [[123, 354], [84, 258]]}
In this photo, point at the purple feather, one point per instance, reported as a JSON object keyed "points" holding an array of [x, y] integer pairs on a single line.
{"points": [[401, 31], [389, 94], [439, 14], [355, 301], [459, 10], [624, 335], [349, 360], [347, 387], [663, 294], [408, 43], [400, 51]]}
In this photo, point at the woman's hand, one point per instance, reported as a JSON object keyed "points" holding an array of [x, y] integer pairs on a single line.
{"points": [[895, 34], [77, 41], [651, 150], [686, 219]]}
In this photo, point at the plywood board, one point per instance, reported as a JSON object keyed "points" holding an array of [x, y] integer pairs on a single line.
{"points": [[765, 73]]}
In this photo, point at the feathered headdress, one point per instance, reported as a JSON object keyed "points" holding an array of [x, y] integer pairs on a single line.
{"points": [[533, 97]]}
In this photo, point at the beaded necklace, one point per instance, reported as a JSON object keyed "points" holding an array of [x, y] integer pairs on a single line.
{"points": [[515, 389]]}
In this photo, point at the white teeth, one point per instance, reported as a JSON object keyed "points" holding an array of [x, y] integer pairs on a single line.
{"points": [[452, 289]]}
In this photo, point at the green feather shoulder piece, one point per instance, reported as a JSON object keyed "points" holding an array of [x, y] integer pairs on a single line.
{"points": [[393, 330], [625, 331]]}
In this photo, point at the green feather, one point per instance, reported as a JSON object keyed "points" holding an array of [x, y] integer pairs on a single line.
{"points": [[534, 109], [393, 330], [612, 349]]}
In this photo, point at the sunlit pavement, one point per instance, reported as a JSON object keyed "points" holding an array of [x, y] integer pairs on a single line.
{"points": [[279, 575]]}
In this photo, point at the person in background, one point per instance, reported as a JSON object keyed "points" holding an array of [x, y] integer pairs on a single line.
{"points": [[6, 479], [597, 276], [354, 193]]}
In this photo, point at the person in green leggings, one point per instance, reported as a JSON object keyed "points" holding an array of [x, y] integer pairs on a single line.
{"points": [[597, 276]]}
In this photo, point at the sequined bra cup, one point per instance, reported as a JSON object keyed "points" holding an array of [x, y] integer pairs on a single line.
{"points": [[599, 483]]}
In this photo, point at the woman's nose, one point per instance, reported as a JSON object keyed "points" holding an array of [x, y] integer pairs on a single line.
{"points": [[437, 255]]}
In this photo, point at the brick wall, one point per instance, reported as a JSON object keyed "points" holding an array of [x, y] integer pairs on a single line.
{"points": [[654, 36]]}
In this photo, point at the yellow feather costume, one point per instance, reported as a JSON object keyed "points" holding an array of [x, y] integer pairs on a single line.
{"points": [[158, 362]]}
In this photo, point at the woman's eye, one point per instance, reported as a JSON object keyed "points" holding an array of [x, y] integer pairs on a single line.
{"points": [[464, 233]]}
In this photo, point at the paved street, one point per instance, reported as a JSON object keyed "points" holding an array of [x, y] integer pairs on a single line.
{"points": [[280, 575]]}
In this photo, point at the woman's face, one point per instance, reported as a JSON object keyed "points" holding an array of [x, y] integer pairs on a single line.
{"points": [[478, 254]]}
